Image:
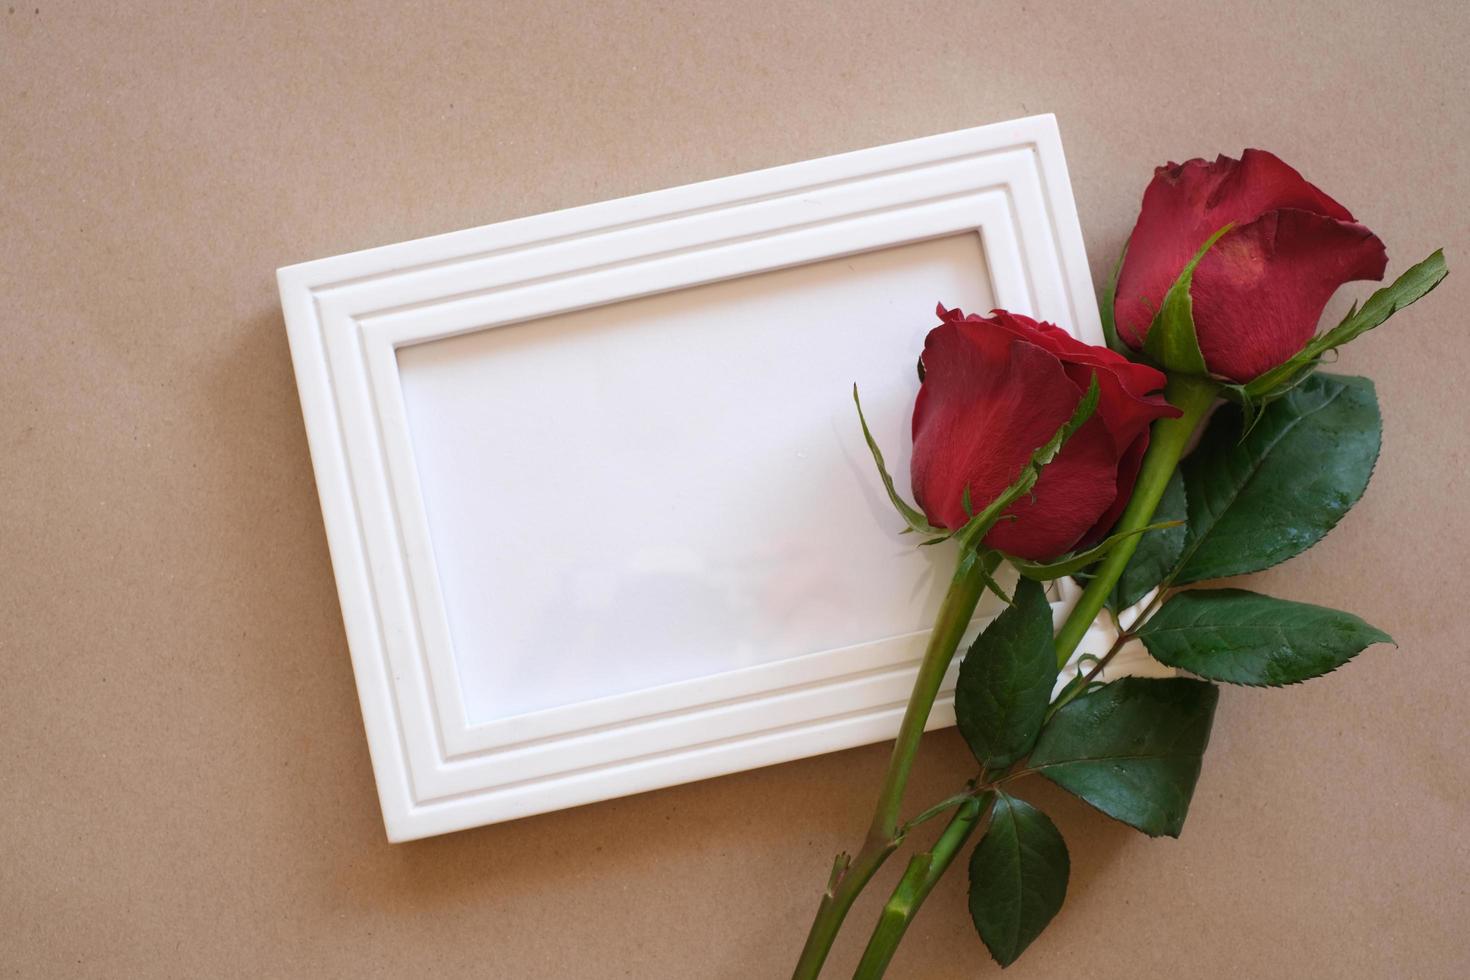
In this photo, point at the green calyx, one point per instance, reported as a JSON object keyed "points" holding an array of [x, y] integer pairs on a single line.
{"points": [[1107, 314], [1418, 281], [1171, 342]]}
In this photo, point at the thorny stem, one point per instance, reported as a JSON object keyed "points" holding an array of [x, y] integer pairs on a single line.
{"points": [[884, 834], [1169, 438], [919, 879], [1193, 397]]}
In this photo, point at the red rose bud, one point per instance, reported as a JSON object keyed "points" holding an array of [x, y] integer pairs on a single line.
{"points": [[1260, 290], [997, 388]]}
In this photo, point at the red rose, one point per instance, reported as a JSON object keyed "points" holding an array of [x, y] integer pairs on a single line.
{"points": [[997, 388], [1259, 292]]}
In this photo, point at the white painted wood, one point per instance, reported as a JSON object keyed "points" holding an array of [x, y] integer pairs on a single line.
{"points": [[599, 511]]}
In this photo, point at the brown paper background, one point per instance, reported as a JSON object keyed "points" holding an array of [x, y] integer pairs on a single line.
{"points": [[184, 783]]}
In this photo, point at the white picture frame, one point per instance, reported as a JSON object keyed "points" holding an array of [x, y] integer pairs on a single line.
{"points": [[406, 388]]}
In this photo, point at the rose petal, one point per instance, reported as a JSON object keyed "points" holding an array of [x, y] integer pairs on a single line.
{"points": [[1128, 466], [1069, 499], [983, 375], [1136, 379], [987, 402], [1259, 293], [1187, 203], [1125, 403], [1126, 415]]}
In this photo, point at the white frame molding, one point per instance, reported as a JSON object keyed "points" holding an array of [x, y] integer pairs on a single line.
{"points": [[348, 315]]}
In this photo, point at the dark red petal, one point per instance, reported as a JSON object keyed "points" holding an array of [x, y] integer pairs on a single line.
{"points": [[1124, 413], [1074, 491], [966, 428], [1128, 466], [987, 401], [1263, 182], [1044, 335], [1136, 379], [1126, 402], [1187, 203], [1259, 293]]}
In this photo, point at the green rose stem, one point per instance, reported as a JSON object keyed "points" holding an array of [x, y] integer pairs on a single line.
{"points": [[919, 879], [848, 879], [1193, 396]]}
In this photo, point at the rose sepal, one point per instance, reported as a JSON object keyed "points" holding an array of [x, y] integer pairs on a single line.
{"points": [[1417, 282], [1107, 314], [914, 519], [1045, 571], [1172, 343]]}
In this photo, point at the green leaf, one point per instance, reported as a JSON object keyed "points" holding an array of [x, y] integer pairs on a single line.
{"points": [[1259, 499], [1244, 638], [1018, 877], [1132, 749], [1407, 289], [1171, 340], [1006, 679], [1159, 550], [915, 519], [1045, 571], [1106, 311]]}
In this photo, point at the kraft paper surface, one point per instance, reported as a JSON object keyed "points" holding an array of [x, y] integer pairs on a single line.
{"points": [[185, 788]]}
